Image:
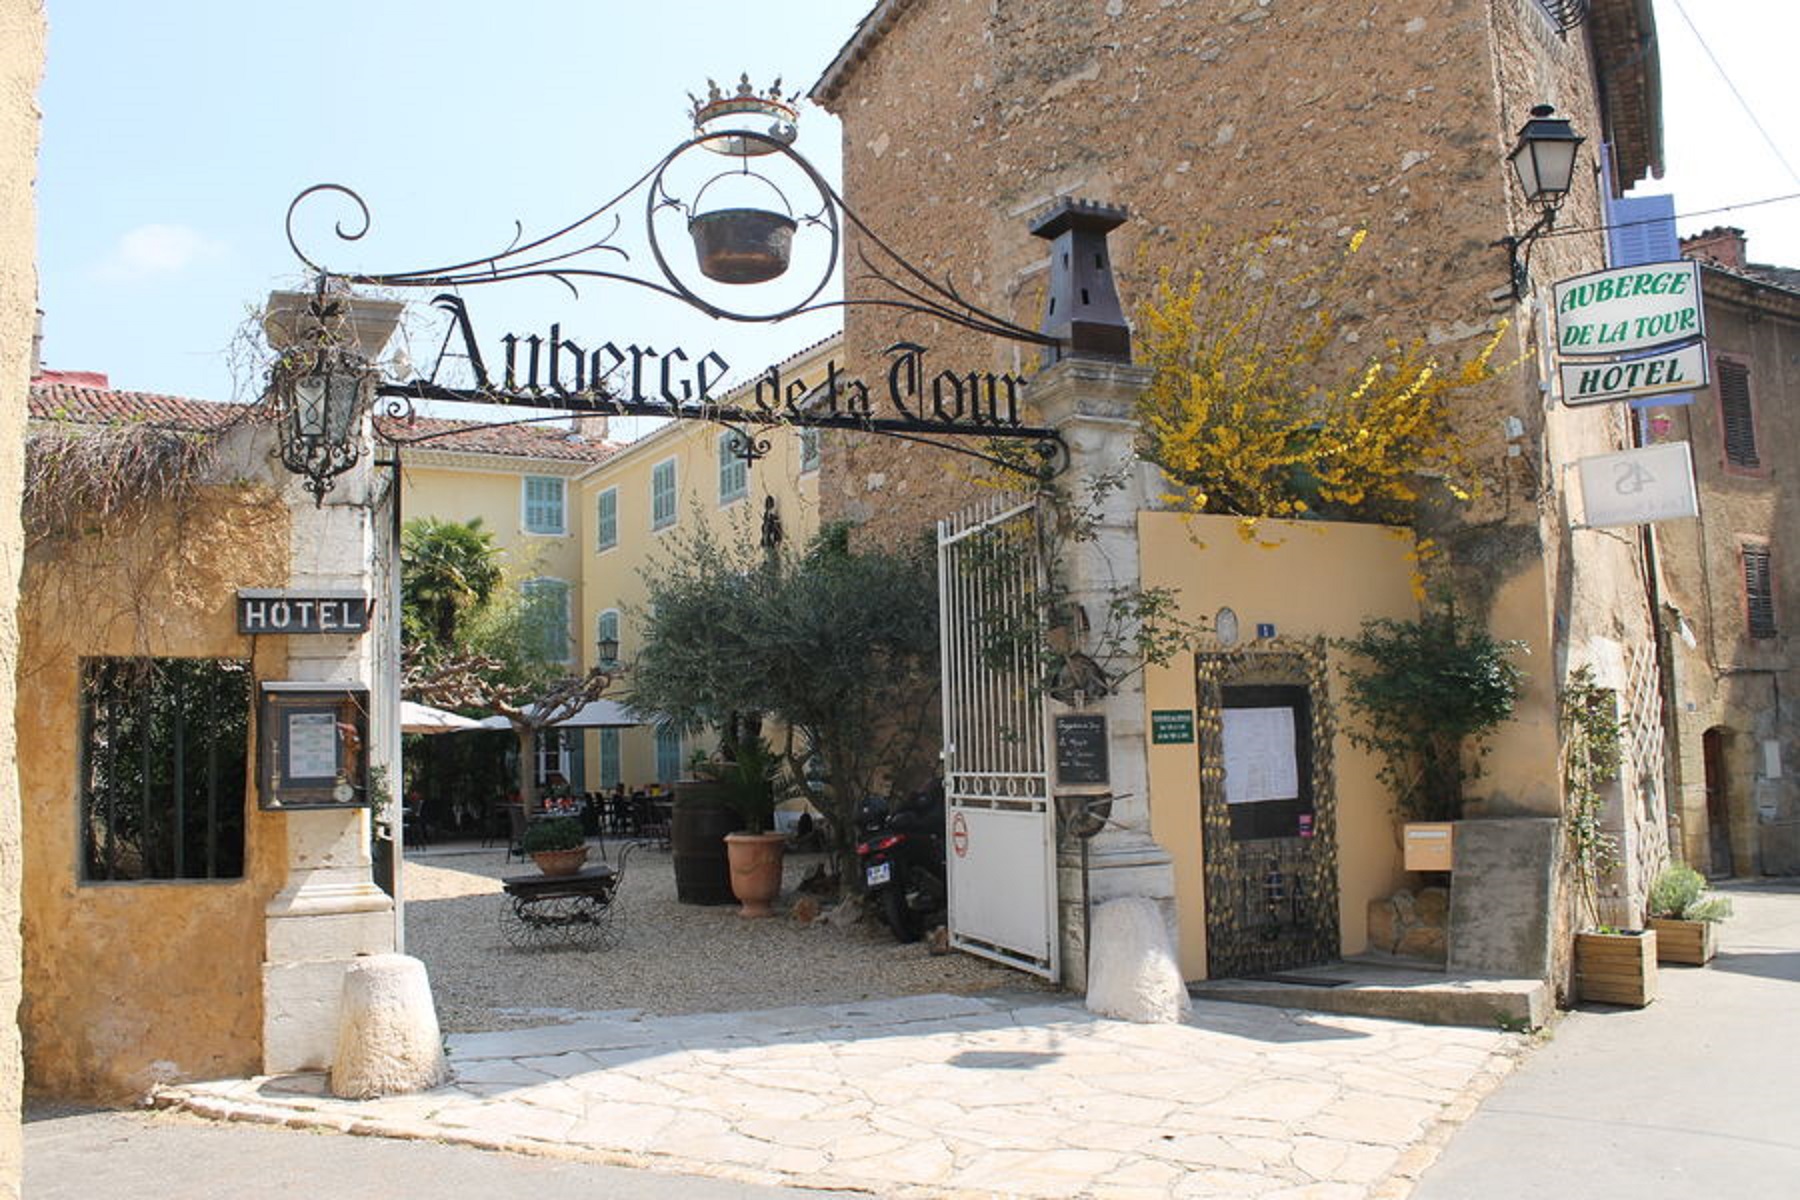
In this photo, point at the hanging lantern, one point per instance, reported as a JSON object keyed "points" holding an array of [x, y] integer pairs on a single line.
{"points": [[743, 244], [320, 393]]}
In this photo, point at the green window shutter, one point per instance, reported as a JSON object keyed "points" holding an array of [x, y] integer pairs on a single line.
{"points": [[606, 519], [662, 495], [544, 505]]}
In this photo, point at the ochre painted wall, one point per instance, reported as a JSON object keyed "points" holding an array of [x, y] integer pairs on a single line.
{"points": [[1308, 579], [129, 984], [21, 68]]}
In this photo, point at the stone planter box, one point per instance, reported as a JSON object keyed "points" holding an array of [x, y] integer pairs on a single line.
{"points": [[1691, 942], [1616, 968]]}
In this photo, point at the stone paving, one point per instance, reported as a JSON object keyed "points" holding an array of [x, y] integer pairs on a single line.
{"points": [[929, 1096]]}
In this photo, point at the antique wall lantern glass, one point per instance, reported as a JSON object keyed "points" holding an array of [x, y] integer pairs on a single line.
{"points": [[740, 243], [1543, 158]]}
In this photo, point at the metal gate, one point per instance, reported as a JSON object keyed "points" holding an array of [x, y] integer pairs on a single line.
{"points": [[1001, 823]]}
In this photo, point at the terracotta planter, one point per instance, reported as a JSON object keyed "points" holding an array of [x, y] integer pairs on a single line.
{"points": [[755, 870], [1616, 968], [1691, 942], [561, 862]]}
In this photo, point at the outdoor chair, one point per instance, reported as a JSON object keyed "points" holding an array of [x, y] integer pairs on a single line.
{"points": [[515, 845]]}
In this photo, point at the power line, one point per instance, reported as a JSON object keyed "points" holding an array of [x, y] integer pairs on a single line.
{"points": [[1699, 212], [1742, 103]]}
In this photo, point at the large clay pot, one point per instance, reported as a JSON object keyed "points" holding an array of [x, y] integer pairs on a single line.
{"points": [[560, 862], [698, 822], [756, 870]]}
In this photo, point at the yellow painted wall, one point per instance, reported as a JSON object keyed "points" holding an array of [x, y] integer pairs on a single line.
{"points": [[462, 487], [127, 984], [613, 578], [1308, 579]]}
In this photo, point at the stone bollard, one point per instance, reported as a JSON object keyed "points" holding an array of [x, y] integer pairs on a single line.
{"points": [[388, 1039], [1132, 973]]}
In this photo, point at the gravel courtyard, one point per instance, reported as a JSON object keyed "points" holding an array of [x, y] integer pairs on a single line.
{"points": [[672, 959]]}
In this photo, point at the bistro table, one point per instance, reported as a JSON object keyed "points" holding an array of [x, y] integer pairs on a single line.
{"points": [[563, 910]]}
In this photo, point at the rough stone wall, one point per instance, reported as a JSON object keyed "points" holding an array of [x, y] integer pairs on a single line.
{"points": [[1729, 680], [21, 68], [131, 984]]}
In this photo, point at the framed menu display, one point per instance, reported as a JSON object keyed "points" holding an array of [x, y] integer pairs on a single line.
{"points": [[313, 745]]}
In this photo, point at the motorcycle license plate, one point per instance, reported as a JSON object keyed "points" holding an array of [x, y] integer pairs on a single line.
{"points": [[880, 873]]}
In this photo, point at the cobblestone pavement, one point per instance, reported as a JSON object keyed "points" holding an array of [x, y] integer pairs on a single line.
{"points": [[938, 1095]]}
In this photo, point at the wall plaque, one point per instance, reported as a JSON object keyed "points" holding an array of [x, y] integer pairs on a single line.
{"points": [[1171, 726], [1081, 752]]}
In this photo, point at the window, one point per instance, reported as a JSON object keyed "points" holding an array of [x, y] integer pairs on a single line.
{"points": [[547, 617], [606, 626], [662, 494], [734, 472], [1759, 592], [164, 757], [1564, 14], [809, 450], [610, 773], [1736, 416], [668, 754], [544, 505], [606, 519]]}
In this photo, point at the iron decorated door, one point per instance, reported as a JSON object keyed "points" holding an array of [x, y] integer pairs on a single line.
{"points": [[1268, 812], [1001, 835]]}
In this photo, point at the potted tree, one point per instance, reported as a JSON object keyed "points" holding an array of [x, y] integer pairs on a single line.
{"points": [[755, 855], [1431, 691], [556, 845], [1612, 965], [1685, 917]]}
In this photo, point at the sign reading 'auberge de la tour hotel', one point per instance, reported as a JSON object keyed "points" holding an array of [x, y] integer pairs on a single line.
{"points": [[1631, 332]]}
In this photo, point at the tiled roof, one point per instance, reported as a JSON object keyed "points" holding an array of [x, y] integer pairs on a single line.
{"points": [[542, 440], [1630, 73], [74, 396]]}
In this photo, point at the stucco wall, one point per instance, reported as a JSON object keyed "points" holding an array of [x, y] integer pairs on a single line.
{"points": [[128, 984], [1308, 579], [21, 67]]}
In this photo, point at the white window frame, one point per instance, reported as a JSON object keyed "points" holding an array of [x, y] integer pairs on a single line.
{"points": [[658, 518], [552, 757], [734, 472], [603, 540], [531, 587], [562, 505]]}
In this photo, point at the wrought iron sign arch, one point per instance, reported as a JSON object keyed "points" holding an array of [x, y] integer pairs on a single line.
{"points": [[976, 413]]}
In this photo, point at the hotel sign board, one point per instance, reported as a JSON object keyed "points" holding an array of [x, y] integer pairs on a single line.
{"points": [[1591, 381], [1629, 309], [1635, 487], [276, 610]]}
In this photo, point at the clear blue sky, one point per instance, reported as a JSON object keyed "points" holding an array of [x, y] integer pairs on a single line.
{"points": [[175, 134]]}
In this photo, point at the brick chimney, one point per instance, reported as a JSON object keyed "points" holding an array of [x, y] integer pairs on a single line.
{"points": [[1723, 244]]}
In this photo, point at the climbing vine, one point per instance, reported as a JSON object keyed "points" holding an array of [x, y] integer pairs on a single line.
{"points": [[1592, 750], [1260, 406]]}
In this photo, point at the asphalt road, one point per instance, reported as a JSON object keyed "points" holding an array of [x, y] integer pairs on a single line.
{"points": [[1697, 1095], [79, 1155]]}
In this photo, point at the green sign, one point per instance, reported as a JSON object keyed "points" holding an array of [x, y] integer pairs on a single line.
{"points": [[1171, 726], [1628, 309]]}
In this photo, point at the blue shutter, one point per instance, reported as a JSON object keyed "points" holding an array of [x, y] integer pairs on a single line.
{"points": [[1642, 231]]}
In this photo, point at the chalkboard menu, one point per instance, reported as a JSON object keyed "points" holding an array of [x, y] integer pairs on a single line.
{"points": [[1081, 748]]}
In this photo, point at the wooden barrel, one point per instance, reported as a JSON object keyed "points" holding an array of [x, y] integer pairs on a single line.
{"points": [[698, 824]]}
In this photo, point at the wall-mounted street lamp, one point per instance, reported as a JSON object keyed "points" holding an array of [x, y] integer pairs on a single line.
{"points": [[1544, 160], [607, 652]]}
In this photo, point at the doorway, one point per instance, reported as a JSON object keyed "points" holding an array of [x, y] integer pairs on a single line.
{"points": [[1718, 802], [1268, 811]]}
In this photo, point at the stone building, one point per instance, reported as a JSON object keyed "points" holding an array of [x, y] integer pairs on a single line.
{"points": [[964, 119], [1732, 587], [21, 68]]}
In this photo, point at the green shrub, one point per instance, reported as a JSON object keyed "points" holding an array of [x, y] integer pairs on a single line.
{"points": [[1679, 894], [558, 833]]}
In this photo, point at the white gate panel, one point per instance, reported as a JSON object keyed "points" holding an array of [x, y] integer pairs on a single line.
{"points": [[997, 894], [1001, 833]]}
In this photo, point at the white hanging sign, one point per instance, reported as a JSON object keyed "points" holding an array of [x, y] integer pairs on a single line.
{"points": [[1635, 487], [1627, 309], [1591, 381]]}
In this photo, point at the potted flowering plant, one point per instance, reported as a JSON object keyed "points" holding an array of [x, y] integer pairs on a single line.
{"points": [[556, 846], [1685, 916]]}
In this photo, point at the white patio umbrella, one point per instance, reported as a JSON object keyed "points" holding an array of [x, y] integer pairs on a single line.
{"points": [[422, 718], [595, 714]]}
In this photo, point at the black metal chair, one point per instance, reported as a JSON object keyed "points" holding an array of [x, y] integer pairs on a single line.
{"points": [[515, 846]]}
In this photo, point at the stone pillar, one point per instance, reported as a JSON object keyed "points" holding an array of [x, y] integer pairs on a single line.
{"points": [[1091, 403], [330, 910]]}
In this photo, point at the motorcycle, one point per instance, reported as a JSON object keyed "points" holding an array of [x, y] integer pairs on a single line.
{"points": [[902, 856]]}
